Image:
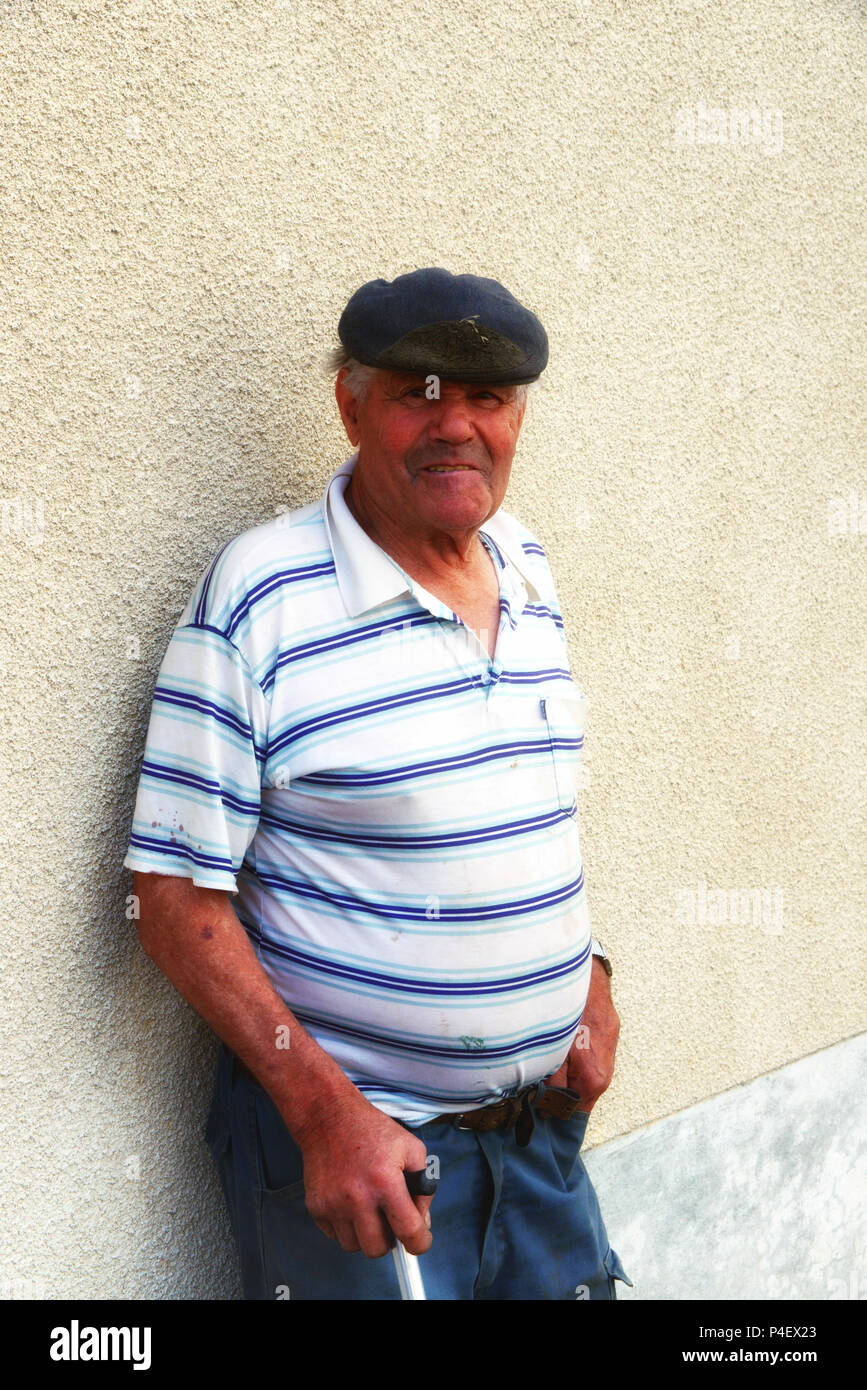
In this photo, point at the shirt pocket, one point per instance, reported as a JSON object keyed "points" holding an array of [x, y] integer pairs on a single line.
{"points": [[564, 713]]}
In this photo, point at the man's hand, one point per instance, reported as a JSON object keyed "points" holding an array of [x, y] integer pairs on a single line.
{"points": [[354, 1155], [589, 1065], [355, 1159]]}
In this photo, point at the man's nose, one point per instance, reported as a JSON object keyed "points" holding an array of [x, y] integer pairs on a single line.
{"points": [[452, 421]]}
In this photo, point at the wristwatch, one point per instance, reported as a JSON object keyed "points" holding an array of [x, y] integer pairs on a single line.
{"points": [[599, 951]]}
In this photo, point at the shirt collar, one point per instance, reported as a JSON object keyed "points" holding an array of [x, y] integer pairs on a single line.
{"points": [[366, 575]]}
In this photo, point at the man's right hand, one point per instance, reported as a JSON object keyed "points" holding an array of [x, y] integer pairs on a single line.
{"points": [[355, 1161], [354, 1155]]}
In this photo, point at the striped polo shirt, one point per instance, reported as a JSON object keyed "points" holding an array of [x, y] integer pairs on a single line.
{"points": [[395, 810]]}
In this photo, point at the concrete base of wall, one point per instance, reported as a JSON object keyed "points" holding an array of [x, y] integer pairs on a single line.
{"points": [[757, 1193]]}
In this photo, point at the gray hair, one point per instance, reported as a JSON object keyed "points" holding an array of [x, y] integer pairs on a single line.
{"points": [[358, 376]]}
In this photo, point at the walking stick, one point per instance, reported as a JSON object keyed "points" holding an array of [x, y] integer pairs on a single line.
{"points": [[407, 1266]]}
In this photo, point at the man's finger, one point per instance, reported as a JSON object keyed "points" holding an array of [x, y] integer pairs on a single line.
{"points": [[422, 1205], [407, 1221], [374, 1235], [345, 1232]]}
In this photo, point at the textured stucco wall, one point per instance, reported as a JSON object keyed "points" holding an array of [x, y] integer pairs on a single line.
{"points": [[189, 194]]}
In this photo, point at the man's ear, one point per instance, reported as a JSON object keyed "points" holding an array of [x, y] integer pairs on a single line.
{"points": [[348, 405]]}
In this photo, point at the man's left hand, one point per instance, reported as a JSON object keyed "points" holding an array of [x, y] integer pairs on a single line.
{"points": [[589, 1064]]}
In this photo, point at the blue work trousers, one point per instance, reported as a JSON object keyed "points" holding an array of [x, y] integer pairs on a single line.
{"points": [[507, 1222]]}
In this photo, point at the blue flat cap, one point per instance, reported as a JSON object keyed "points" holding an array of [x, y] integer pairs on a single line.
{"points": [[459, 327]]}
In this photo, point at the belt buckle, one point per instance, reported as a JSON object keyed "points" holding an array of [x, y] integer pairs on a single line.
{"points": [[511, 1107], [475, 1128]]}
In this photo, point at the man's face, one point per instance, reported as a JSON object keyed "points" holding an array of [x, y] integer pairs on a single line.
{"points": [[432, 465]]}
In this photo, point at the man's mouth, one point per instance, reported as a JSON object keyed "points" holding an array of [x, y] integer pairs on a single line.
{"points": [[450, 468]]}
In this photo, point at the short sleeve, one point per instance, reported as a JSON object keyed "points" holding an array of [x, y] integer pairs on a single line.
{"points": [[198, 799]]}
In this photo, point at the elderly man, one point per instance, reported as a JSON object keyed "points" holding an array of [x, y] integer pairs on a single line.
{"points": [[365, 728]]}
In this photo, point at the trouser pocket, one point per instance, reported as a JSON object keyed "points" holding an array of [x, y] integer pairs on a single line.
{"points": [[566, 1138], [279, 1161]]}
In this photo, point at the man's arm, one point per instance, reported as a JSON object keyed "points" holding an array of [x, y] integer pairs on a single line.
{"points": [[588, 1068], [354, 1155]]}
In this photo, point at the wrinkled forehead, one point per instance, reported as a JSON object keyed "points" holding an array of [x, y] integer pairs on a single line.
{"points": [[393, 381]]}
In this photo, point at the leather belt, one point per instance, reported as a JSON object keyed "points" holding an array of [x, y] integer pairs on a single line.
{"points": [[516, 1112]]}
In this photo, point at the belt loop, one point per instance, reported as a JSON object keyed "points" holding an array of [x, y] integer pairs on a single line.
{"points": [[525, 1123]]}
